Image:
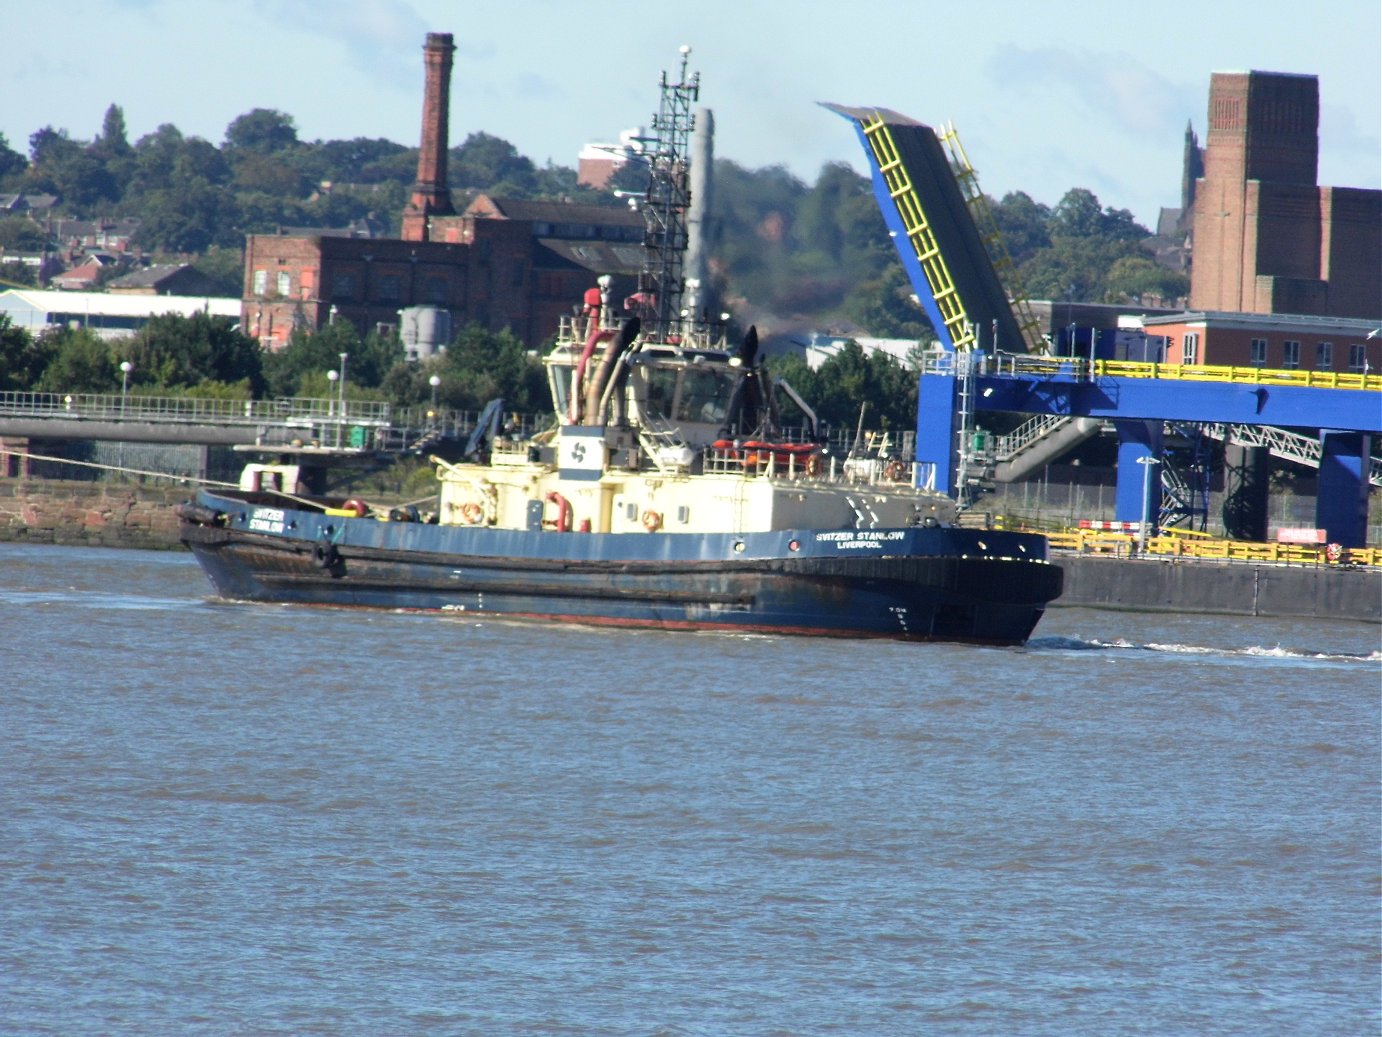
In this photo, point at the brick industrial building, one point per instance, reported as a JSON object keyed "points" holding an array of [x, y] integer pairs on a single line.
{"points": [[515, 265]]}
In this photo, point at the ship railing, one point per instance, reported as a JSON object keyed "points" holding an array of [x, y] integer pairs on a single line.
{"points": [[662, 444], [757, 461]]}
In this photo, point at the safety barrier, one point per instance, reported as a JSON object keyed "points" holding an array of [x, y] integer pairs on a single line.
{"points": [[1177, 545], [1079, 368]]}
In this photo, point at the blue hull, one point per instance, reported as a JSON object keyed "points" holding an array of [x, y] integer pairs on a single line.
{"points": [[918, 583]]}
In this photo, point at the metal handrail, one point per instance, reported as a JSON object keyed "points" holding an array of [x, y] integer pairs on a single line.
{"points": [[190, 410]]}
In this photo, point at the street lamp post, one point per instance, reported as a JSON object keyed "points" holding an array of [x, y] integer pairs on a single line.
{"points": [[1146, 463], [342, 408], [125, 368], [332, 376]]}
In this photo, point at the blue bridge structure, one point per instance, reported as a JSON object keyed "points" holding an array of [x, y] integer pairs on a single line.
{"points": [[990, 355]]}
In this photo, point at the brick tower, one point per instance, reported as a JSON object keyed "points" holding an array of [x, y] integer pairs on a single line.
{"points": [[1267, 237], [431, 194]]}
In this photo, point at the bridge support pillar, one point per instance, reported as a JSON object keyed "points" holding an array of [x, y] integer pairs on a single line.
{"points": [[14, 457], [1138, 495], [937, 427], [1246, 472], [1341, 502]]}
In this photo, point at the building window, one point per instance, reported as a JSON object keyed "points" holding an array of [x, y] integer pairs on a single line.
{"points": [[285, 283], [1290, 355], [261, 282], [1358, 358], [1324, 356], [1258, 352], [388, 287], [434, 289], [343, 286], [1190, 349]]}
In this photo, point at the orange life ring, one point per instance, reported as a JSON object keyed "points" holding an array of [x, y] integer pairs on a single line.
{"points": [[895, 470], [472, 513], [1334, 552], [652, 521], [356, 505]]}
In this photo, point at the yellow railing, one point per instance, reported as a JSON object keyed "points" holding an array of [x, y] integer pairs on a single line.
{"points": [[1244, 375], [919, 233], [1049, 366], [1083, 541]]}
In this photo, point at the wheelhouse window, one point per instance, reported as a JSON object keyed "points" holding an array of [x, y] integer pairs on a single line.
{"points": [[661, 391], [705, 396]]}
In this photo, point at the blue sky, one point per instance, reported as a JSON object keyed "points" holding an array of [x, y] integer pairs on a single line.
{"points": [[1046, 96]]}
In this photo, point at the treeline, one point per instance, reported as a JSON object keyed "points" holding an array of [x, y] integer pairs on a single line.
{"points": [[816, 252]]}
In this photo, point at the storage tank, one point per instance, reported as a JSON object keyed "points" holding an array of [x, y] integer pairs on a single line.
{"points": [[425, 330]]}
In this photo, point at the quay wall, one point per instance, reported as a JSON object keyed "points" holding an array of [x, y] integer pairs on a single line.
{"points": [[1226, 588], [90, 514]]}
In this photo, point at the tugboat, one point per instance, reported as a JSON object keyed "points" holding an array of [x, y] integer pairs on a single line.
{"points": [[666, 494]]}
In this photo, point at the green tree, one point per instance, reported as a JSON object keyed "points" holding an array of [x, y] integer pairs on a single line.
{"points": [[22, 359], [20, 234], [176, 352], [482, 365], [113, 140], [849, 380], [183, 219], [12, 163], [269, 174], [302, 365], [66, 168], [490, 163], [262, 130], [79, 361], [362, 160], [1140, 279], [1024, 225]]}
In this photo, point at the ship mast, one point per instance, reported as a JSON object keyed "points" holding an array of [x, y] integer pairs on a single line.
{"points": [[660, 283]]}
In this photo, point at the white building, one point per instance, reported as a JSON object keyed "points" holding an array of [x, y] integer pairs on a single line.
{"points": [[109, 316]]}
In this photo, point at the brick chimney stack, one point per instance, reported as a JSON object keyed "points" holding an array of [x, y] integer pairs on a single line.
{"points": [[431, 195]]}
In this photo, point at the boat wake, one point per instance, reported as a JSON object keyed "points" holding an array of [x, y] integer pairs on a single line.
{"points": [[1075, 644]]}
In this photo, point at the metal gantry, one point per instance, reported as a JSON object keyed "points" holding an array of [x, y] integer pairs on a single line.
{"points": [[668, 198]]}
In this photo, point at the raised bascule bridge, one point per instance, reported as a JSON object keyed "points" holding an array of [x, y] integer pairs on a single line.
{"points": [[994, 357]]}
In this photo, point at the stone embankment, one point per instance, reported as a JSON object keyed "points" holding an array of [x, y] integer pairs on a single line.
{"points": [[90, 514]]}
